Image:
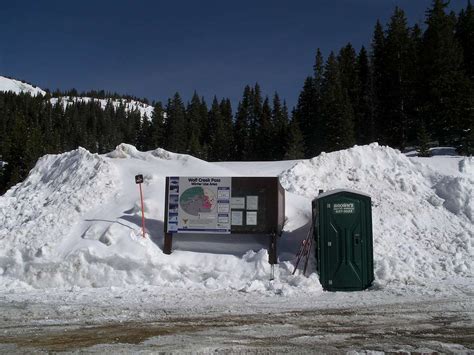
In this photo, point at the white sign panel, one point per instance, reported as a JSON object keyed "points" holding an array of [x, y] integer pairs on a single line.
{"points": [[199, 204], [251, 218], [237, 218], [237, 203], [252, 202]]}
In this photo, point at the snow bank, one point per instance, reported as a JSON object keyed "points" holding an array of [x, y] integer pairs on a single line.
{"points": [[38, 213], [75, 221], [422, 219]]}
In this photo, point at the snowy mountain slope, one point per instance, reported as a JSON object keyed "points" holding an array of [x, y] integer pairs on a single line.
{"points": [[130, 105], [17, 87], [75, 221]]}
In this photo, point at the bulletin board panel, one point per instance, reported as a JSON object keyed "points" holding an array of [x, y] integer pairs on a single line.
{"points": [[256, 205]]}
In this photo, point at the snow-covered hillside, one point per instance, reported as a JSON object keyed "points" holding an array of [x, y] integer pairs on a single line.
{"points": [[75, 221], [17, 87], [129, 105]]}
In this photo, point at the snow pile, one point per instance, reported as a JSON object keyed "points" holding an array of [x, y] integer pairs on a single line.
{"points": [[76, 221], [38, 214], [16, 86], [423, 225], [129, 105]]}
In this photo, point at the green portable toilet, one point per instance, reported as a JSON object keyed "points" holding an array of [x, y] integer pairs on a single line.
{"points": [[342, 221]]}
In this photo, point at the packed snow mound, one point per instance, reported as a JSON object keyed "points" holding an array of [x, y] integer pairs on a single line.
{"points": [[16, 86], [422, 220], [466, 166], [75, 222], [458, 195], [38, 213], [129, 105]]}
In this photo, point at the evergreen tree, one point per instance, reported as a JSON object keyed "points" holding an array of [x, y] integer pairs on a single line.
{"points": [[305, 114], [445, 90], [318, 74], [18, 162], [264, 144], [294, 142], [217, 133], [143, 134], [280, 128], [194, 127], [175, 125], [242, 127], [255, 116], [204, 141], [364, 125], [423, 142], [414, 84], [156, 138], [465, 35], [106, 130], [379, 80], [397, 73], [348, 71], [317, 137], [336, 110], [226, 112]]}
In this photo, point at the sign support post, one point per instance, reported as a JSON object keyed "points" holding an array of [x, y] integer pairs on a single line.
{"points": [[168, 243], [139, 181]]}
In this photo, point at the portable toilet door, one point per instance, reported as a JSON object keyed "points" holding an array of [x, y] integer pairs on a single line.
{"points": [[344, 240]]}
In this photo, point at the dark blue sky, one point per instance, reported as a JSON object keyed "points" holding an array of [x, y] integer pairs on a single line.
{"points": [[155, 48]]}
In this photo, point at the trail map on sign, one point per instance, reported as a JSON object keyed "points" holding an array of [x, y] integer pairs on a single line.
{"points": [[197, 199], [199, 204]]}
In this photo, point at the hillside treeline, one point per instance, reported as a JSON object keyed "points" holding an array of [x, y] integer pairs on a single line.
{"points": [[413, 86]]}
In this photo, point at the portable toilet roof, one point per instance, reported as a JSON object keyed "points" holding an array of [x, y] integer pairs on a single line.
{"points": [[338, 191]]}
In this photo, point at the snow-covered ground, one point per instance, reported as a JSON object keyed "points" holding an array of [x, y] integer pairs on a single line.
{"points": [[71, 250]]}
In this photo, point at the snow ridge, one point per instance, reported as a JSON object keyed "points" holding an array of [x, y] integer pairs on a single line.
{"points": [[16, 86]]}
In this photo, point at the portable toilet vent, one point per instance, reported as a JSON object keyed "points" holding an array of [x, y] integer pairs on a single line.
{"points": [[342, 221]]}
